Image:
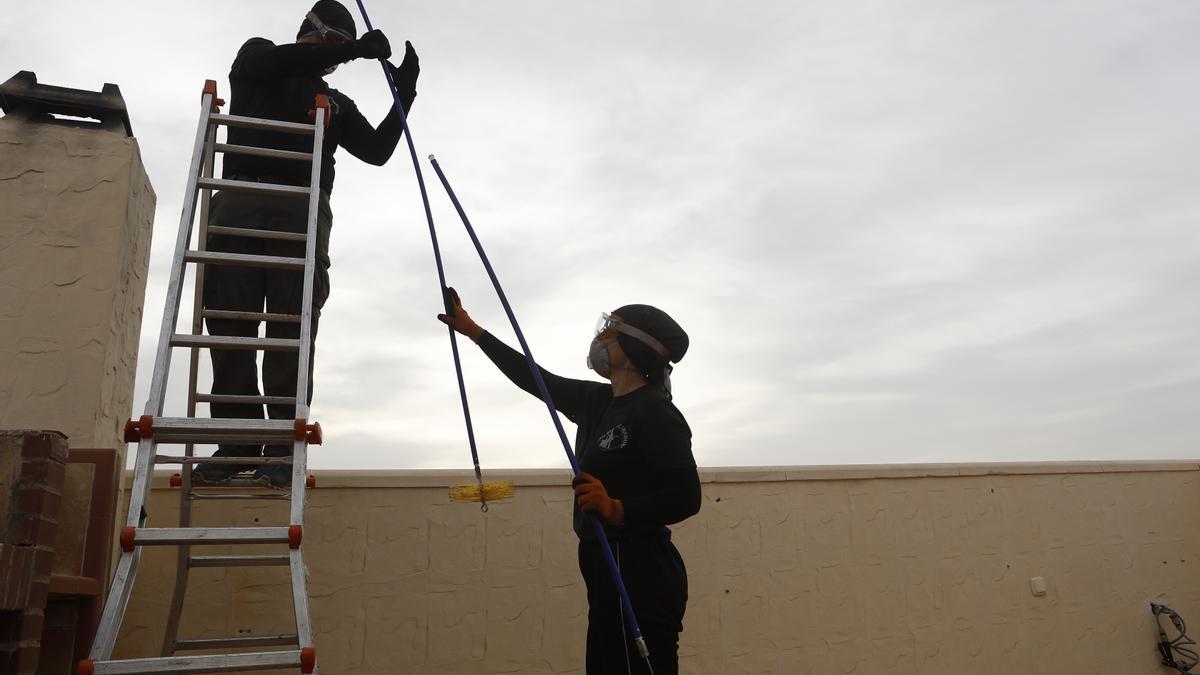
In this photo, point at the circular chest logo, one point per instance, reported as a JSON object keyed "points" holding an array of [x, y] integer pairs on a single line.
{"points": [[615, 438]]}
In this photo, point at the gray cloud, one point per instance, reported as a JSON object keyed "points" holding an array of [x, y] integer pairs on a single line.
{"points": [[896, 232]]}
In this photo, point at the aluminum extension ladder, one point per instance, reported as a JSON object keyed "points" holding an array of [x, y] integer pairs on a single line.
{"points": [[151, 429]]}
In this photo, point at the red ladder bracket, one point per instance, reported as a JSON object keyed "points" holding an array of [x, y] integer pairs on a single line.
{"points": [[136, 430], [210, 87], [310, 482], [322, 102], [303, 431], [88, 667], [127, 536], [308, 660], [295, 534], [176, 480], [131, 432]]}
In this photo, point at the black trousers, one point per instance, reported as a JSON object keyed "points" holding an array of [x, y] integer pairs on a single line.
{"points": [[246, 289], [656, 579]]}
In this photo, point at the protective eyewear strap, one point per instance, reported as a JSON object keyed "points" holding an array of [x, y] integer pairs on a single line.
{"points": [[643, 336], [322, 28]]}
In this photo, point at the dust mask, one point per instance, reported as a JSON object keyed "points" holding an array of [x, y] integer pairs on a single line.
{"points": [[597, 358]]}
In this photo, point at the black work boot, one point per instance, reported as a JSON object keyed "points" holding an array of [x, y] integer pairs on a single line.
{"points": [[275, 476], [215, 474]]}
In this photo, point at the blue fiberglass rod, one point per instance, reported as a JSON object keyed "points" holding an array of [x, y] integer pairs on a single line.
{"points": [[437, 256], [630, 619]]}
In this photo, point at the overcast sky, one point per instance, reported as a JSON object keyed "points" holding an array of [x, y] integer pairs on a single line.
{"points": [[952, 230]]}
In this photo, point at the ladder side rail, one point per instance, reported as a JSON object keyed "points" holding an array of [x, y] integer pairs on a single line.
{"points": [[300, 446], [114, 606], [310, 265], [299, 572], [198, 294], [183, 556], [139, 490], [162, 359]]}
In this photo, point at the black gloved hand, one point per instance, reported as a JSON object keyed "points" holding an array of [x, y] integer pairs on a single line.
{"points": [[373, 45], [405, 75]]}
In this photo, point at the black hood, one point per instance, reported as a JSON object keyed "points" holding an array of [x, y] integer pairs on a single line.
{"points": [[661, 327], [333, 14]]}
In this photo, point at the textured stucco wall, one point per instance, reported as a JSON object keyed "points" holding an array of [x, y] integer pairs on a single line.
{"points": [[74, 249], [888, 570]]}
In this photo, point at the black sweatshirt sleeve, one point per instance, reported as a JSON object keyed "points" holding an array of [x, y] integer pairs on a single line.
{"points": [[677, 500], [674, 484], [371, 145], [261, 59], [569, 396]]}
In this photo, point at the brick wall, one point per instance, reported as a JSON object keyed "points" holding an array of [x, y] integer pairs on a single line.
{"points": [[32, 468]]}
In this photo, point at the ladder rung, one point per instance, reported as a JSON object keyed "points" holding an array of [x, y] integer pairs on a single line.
{"points": [[230, 342], [251, 186], [229, 430], [250, 316], [238, 560], [174, 536], [256, 234], [215, 663], [262, 152], [231, 398], [180, 459], [261, 123], [246, 641], [244, 260]]}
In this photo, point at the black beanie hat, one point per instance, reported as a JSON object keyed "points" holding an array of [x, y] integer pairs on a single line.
{"points": [[333, 14], [661, 327]]}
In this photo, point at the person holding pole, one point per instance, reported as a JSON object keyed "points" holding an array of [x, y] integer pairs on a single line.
{"points": [[637, 474]]}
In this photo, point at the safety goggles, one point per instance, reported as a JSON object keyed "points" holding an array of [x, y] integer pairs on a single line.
{"points": [[609, 324], [328, 33]]}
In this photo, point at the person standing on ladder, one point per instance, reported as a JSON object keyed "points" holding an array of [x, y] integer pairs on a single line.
{"points": [[638, 475], [281, 82]]}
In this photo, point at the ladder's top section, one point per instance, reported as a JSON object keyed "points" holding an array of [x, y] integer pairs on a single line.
{"points": [[22, 95]]}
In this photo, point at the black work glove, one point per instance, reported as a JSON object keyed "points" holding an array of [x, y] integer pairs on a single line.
{"points": [[373, 45], [405, 75]]}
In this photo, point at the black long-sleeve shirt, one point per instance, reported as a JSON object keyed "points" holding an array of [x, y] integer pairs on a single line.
{"points": [[281, 82], [638, 445]]}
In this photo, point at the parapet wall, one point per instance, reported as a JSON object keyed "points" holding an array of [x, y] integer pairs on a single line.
{"points": [[896, 570]]}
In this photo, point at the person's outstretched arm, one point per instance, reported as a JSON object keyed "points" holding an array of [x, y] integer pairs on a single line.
{"points": [[261, 59], [568, 396]]}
